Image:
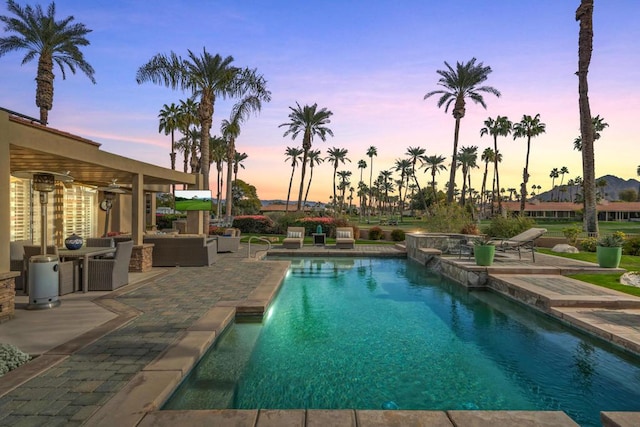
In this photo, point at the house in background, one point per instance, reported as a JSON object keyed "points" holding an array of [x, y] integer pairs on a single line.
{"points": [[607, 211]]}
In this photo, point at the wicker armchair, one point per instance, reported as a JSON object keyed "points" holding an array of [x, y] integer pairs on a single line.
{"points": [[16, 252], [110, 274], [344, 238], [294, 239]]}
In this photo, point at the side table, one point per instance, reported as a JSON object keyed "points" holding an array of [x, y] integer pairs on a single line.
{"points": [[319, 239]]}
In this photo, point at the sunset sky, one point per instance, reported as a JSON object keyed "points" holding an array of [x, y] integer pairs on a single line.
{"points": [[370, 63]]}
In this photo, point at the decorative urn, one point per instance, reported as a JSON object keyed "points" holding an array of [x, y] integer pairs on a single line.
{"points": [[73, 242]]}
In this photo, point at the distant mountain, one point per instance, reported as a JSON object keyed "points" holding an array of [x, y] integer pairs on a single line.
{"points": [[611, 190]]}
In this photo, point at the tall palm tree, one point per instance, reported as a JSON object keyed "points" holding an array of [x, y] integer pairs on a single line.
{"points": [[50, 41], [231, 130], [238, 158], [527, 127], [584, 15], [314, 159], [311, 122], [404, 167], [362, 165], [386, 186], [434, 164], [371, 153], [487, 157], [293, 155], [463, 82], [218, 150], [501, 126], [336, 156], [344, 184], [187, 117], [598, 126], [169, 124], [468, 157], [415, 154], [208, 77], [555, 173]]}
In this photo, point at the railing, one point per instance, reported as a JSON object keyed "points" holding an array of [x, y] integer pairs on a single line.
{"points": [[263, 239]]}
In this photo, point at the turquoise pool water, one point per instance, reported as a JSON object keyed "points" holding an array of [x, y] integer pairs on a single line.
{"points": [[387, 333]]}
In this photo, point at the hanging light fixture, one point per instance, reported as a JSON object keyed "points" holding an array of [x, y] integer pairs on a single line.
{"points": [[110, 194]]}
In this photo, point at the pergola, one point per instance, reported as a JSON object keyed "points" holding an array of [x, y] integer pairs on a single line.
{"points": [[28, 145]]}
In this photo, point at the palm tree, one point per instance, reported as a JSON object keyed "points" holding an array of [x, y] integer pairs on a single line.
{"points": [[344, 184], [555, 173], [50, 41], [187, 117], [238, 158], [404, 167], [362, 165], [336, 156], [415, 154], [529, 127], [218, 150], [501, 126], [468, 157], [314, 159], [371, 152], [461, 83], [488, 155], [584, 14], [385, 186], [434, 164], [169, 124], [293, 155], [598, 126], [563, 170], [311, 122], [208, 77]]}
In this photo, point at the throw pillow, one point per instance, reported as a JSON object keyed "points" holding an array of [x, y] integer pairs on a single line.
{"points": [[343, 235]]}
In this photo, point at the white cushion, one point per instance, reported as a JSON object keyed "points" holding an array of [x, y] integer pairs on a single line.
{"points": [[343, 234], [294, 234]]}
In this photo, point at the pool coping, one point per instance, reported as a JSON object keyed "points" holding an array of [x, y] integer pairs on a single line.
{"points": [[139, 402]]}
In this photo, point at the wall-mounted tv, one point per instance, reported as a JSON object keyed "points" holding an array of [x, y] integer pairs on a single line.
{"points": [[193, 200]]}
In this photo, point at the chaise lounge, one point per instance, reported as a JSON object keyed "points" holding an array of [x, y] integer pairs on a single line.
{"points": [[294, 239], [344, 238], [525, 240]]}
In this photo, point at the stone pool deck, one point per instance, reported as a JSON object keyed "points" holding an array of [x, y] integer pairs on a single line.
{"points": [[113, 358]]}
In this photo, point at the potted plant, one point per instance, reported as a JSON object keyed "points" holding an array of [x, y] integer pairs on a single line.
{"points": [[483, 251], [609, 250]]}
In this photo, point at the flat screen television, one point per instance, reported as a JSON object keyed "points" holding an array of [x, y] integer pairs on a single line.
{"points": [[193, 200]]}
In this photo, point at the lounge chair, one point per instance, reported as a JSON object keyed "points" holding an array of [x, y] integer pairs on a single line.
{"points": [[294, 239], [524, 240], [344, 238]]}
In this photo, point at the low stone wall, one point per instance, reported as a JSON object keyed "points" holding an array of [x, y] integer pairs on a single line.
{"points": [[141, 258], [7, 295]]}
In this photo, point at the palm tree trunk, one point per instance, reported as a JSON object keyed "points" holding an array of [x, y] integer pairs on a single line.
{"points": [[495, 163], [231, 150], [454, 160], [525, 179], [584, 14], [306, 194], [286, 207], [44, 87], [205, 113]]}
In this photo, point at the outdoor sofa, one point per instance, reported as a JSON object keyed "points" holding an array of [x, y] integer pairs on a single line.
{"points": [[344, 238], [294, 239], [184, 250]]}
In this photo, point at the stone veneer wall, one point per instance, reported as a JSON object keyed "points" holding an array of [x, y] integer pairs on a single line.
{"points": [[141, 258], [7, 295]]}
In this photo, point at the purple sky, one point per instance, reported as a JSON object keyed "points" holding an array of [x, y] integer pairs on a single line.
{"points": [[370, 63]]}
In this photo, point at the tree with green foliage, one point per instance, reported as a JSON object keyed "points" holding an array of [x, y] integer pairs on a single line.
{"points": [[293, 156], [501, 126], [311, 122], [335, 157], [48, 40], [461, 83], [528, 127], [207, 77], [371, 153], [315, 158]]}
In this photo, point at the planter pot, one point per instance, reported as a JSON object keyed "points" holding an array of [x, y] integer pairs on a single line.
{"points": [[73, 242], [484, 254], [608, 257]]}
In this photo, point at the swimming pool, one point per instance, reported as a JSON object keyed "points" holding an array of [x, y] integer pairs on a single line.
{"points": [[387, 333]]}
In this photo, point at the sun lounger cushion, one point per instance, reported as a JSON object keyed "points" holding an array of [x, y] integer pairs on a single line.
{"points": [[294, 234], [343, 234]]}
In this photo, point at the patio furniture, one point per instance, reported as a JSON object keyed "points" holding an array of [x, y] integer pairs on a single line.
{"points": [[344, 238], [110, 274], [100, 242], [184, 250], [68, 271], [524, 240], [294, 239], [16, 262]]}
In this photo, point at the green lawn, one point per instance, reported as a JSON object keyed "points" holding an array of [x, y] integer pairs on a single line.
{"points": [[610, 281]]}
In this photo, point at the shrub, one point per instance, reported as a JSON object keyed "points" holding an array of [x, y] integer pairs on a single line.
{"points": [[258, 224], [508, 227], [310, 224], [589, 244], [166, 221], [631, 246], [470, 228], [445, 218], [11, 357], [571, 234], [397, 235], [214, 230], [375, 233]]}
